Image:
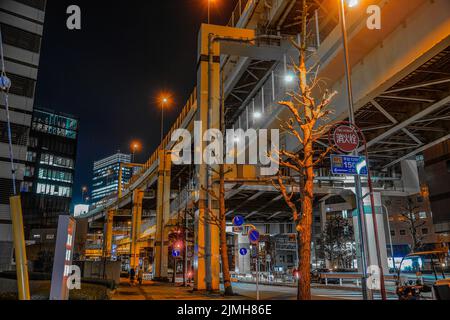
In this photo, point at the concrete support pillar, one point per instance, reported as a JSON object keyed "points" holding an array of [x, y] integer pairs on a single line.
{"points": [[108, 234], [161, 259], [138, 196], [206, 248], [371, 246], [242, 262]]}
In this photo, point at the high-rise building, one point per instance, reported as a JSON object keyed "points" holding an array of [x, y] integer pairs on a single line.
{"points": [[21, 23], [49, 172], [105, 180], [437, 168]]}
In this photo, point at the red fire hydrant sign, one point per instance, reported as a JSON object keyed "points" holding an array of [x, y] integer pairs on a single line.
{"points": [[346, 138]]}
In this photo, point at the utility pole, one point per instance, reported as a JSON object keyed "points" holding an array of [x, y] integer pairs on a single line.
{"points": [[358, 188]]}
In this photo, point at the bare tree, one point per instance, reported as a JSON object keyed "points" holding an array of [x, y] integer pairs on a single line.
{"points": [[220, 221], [306, 125], [411, 217]]}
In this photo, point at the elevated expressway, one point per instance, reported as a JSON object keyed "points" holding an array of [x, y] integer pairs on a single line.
{"points": [[401, 77]]}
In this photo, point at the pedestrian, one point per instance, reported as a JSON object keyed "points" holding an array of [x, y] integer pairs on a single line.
{"points": [[140, 275], [132, 275]]}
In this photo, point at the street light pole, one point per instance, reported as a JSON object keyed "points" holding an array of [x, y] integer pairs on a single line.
{"points": [[209, 11], [163, 104], [358, 188]]}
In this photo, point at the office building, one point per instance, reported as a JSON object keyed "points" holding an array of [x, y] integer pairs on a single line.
{"points": [[49, 173], [105, 180], [21, 23]]}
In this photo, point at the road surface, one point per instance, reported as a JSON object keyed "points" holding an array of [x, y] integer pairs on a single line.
{"points": [[289, 293]]}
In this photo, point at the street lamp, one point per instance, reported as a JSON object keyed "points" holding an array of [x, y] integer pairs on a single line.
{"points": [[164, 101], [351, 113], [84, 189], [209, 10], [135, 147]]}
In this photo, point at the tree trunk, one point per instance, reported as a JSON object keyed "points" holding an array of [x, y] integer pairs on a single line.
{"points": [[228, 289], [304, 282]]}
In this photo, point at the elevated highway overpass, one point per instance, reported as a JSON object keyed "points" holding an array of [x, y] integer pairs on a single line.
{"points": [[401, 76]]}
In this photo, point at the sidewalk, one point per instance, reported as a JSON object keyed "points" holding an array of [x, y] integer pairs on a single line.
{"points": [[150, 290]]}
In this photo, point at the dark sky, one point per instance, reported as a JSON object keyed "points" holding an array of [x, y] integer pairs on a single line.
{"points": [[109, 73]]}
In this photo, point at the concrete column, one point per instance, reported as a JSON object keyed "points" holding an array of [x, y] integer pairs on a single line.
{"points": [[206, 248], [242, 262], [108, 234], [371, 245], [136, 218], [161, 259]]}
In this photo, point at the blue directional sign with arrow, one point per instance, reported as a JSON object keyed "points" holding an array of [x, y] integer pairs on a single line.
{"points": [[238, 221], [175, 253], [243, 252], [253, 236]]}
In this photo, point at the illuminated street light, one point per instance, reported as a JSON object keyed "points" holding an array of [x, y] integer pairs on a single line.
{"points": [[135, 146], [289, 78], [257, 115], [352, 3], [164, 100]]}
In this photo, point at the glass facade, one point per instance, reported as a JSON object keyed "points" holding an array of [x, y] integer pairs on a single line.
{"points": [[106, 177], [55, 124]]}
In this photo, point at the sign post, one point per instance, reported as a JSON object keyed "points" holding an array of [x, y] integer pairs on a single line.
{"points": [[62, 264], [346, 136], [253, 236]]}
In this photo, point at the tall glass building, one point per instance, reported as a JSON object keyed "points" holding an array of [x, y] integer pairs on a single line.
{"points": [[105, 180], [49, 173]]}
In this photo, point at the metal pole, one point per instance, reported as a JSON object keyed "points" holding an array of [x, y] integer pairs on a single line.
{"points": [[19, 248], [390, 237], [119, 186], [162, 122], [257, 271], [358, 189]]}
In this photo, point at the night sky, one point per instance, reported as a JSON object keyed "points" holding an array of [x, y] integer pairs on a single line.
{"points": [[109, 73]]}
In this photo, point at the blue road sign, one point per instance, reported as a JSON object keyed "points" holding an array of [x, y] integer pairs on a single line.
{"points": [[351, 165], [243, 252], [238, 221], [175, 253], [253, 236]]}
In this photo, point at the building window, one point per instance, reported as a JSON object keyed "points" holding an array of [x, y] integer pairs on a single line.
{"points": [[267, 227], [425, 231], [19, 133], [56, 161], [26, 186], [29, 171], [21, 86], [20, 38], [281, 228], [289, 228], [392, 233], [403, 232], [54, 190], [31, 156], [422, 215]]}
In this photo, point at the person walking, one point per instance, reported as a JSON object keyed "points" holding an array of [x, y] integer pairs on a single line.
{"points": [[140, 275], [132, 275]]}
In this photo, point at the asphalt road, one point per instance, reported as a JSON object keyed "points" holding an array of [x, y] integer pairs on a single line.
{"points": [[289, 293]]}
